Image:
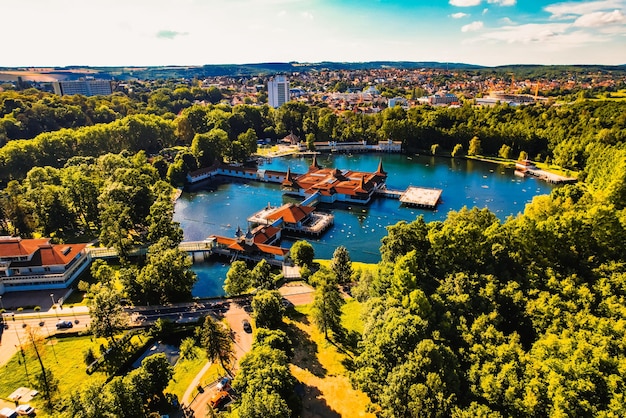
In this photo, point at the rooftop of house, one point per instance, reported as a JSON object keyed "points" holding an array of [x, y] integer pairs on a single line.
{"points": [[41, 251]]}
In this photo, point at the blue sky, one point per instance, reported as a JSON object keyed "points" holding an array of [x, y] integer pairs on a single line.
{"points": [[193, 32]]}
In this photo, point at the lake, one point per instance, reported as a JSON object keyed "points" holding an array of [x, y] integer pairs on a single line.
{"points": [[221, 206]]}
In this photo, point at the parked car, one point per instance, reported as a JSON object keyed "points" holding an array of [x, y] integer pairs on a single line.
{"points": [[7, 413], [223, 383], [25, 410], [64, 324], [286, 303], [219, 399], [246, 326]]}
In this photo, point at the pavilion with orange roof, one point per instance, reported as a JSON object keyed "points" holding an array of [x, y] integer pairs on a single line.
{"points": [[332, 185]]}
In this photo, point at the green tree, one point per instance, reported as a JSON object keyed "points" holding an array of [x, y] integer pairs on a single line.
{"points": [[457, 151], [238, 278], [341, 265], [474, 147], [274, 338], [216, 341], [160, 222], [167, 276], [266, 369], [263, 405], [310, 141], [505, 151], [188, 349], [327, 302], [105, 309], [302, 253], [124, 401], [268, 309], [262, 275], [403, 237], [159, 372]]}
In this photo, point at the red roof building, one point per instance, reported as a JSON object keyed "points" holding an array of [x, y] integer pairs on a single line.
{"points": [[334, 185], [35, 264]]}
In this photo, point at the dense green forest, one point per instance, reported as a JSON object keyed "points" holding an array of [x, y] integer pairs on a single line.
{"points": [[471, 316], [562, 134], [477, 317]]}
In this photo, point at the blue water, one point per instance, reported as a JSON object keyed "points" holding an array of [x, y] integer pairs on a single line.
{"points": [[219, 208]]}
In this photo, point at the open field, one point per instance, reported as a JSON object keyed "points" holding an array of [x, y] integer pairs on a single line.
{"points": [[319, 365], [63, 356]]}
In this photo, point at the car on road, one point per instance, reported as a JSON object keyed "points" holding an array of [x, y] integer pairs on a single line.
{"points": [[246, 326], [25, 410], [64, 324], [219, 399], [223, 383], [286, 303]]}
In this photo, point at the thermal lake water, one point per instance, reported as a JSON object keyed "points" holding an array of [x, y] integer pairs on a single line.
{"points": [[220, 207]]}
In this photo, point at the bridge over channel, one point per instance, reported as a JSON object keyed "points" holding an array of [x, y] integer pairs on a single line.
{"points": [[191, 247]]}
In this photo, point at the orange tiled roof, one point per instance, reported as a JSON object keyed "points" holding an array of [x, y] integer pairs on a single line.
{"points": [[291, 213], [263, 234], [41, 251], [270, 249], [16, 247]]}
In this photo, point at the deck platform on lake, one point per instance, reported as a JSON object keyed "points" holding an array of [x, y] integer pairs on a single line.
{"points": [[421, 197]]}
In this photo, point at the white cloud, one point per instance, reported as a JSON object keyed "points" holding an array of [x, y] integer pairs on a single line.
{"points": [[485, 10], [551, 35], [599, 19], [459, 15], [506, 21], [503, 2], [307, 15], [465, 3], [472, 27], [568, 10]]}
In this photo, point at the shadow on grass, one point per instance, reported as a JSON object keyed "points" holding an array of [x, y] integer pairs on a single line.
{"points": [[346, 341], [297, 316], [305, 351], [314, 405]]}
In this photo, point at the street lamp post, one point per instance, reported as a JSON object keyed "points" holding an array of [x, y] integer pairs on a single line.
{"points": [[52, 297], [1, 305]]}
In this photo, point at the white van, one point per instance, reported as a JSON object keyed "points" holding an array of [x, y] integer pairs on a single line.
{"points": [[8, 413]]}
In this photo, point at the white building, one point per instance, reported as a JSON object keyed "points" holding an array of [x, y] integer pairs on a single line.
{"points": [[35, 264], [86, 87], [278, 91]]}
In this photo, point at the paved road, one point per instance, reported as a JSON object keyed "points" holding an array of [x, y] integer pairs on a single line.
{"points": [[232, 310], [296, 294], [15, 335]]}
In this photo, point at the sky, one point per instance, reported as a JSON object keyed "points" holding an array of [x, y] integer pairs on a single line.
{"points": [[38, 33]]}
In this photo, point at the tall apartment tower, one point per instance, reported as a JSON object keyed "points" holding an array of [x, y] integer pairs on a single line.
{"points": [[278, 91]]}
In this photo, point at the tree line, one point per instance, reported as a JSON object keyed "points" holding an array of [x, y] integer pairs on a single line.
{"points": [[472, 316], [557, 134]]}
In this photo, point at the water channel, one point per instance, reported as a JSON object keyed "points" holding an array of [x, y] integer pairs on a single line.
{"points": [[220, 207]]}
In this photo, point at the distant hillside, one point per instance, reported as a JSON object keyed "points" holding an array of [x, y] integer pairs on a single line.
{"points": [[263, 69]]}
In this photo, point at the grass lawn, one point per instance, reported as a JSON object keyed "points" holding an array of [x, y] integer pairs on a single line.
{"points": [[319, 365], [184, 373], [63, 356], [356, 265]]}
